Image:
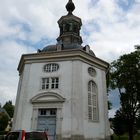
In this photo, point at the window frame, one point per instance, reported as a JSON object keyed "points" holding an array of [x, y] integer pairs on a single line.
{"points": [[47, 112], [50, 67], [50, 83], [93, 110]]}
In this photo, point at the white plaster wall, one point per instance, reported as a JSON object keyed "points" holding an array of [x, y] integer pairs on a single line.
{"points": [[94, 129], [77, 102], [73, 79], [31, 86], [21, 103]]}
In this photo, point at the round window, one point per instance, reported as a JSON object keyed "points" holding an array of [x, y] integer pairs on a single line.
{"points": [[92, 71], [51, 67]]}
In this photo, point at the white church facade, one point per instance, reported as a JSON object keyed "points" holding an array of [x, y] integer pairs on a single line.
{"points": [[62, 88]]}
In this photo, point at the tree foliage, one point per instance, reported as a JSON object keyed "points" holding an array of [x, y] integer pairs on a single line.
{"points": [[119, 123], [9, 108], [125, 75], [3, 121]]}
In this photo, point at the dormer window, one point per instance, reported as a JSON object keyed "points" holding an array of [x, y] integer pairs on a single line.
{"points": [[52, 67]]}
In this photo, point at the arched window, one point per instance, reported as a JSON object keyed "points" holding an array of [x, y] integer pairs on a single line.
{"points": [[92, 101]]}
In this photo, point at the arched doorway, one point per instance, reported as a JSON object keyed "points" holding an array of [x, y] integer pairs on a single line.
{"points": [[47, 111]]}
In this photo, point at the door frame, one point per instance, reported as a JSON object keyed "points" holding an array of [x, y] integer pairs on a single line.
{"points": [[47, 100]]}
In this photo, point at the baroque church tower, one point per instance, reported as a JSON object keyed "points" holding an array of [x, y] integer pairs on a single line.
{"points": [[62, 88]]}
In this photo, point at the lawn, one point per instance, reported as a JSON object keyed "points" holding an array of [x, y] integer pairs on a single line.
{"points": [[125, 137]]}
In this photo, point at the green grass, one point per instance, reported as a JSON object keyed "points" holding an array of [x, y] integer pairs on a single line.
{"points": [[125, 137]]}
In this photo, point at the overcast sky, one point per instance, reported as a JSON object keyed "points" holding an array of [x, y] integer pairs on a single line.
{"points": [[110, 27]]}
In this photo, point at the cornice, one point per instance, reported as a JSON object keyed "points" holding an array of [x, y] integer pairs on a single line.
{"points": [[63, 55]]}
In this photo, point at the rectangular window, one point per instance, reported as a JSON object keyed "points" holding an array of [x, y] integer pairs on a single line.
{"points": [[45, 83], [42, 112], [53, 112], [50, 83]]}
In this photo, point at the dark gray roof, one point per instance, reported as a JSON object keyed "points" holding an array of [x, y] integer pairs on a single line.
{"points": [[63, 47], [49, 48]]}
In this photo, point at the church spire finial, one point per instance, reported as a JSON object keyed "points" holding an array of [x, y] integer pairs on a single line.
{"points": [[70, 7], [70, 26]]}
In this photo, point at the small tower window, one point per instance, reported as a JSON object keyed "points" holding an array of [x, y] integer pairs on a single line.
{"points": [[92, 102], [52, 67]]}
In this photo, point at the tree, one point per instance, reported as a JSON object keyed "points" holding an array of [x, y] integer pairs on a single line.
{"points": [[3, 121], [107, 85], [125, 75], [9, 108], [138, 121], [119, 123]]}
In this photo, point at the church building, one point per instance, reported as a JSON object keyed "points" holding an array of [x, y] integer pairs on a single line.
{"points": [[62, 88]]}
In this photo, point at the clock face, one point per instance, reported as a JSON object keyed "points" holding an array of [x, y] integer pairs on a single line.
{"points": [[92, 71]]}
